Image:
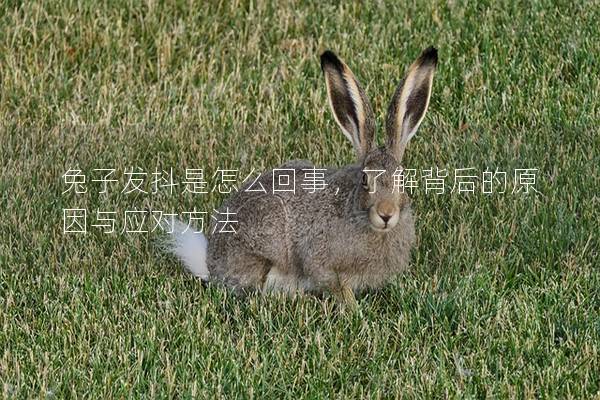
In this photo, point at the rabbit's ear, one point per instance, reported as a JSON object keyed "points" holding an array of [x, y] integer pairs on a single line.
{"points": [[349, 103], [410, 102]]}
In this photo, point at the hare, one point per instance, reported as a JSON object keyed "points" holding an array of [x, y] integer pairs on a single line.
{"points": [[354, 234]]}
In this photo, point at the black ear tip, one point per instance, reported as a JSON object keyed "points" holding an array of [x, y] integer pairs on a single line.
{"points": [[329, 58], [429, 56]]}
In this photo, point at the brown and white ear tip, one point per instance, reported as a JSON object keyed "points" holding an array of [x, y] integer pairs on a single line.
{"points": [[329, 58], [429, 57]]}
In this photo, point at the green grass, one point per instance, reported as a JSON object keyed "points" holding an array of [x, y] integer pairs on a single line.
{"points": [[502, 299]]}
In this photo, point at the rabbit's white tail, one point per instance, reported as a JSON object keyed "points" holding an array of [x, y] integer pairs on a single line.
{"points": [[190, 247]]}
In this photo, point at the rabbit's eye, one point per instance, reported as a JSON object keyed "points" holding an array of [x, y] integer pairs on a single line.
{"points": [[365, 180]]}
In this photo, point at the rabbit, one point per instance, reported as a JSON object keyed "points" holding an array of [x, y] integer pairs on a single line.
{"points": [[355, 234]]}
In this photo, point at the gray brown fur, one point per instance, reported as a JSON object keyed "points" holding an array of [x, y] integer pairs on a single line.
{"points": [[339, 239]]}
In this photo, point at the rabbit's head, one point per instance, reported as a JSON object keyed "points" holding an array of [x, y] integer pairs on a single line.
{"points": [[377, 191]]}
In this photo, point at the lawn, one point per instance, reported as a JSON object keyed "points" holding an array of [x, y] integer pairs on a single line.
{"points": [[503, 295]]}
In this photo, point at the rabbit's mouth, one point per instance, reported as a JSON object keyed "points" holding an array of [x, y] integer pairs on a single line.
{"points": [[383, 222], [385, 229]]}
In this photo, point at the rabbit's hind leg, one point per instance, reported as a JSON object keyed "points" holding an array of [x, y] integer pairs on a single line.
{"points": [[241, 271], [277, 281]]}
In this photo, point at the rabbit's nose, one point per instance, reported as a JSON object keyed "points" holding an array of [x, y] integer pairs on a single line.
{"points": [[386, 210], [385, 217]]}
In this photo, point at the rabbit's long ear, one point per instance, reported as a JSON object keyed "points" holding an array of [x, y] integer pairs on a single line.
{"points": [[410, 102], [349, 103]]}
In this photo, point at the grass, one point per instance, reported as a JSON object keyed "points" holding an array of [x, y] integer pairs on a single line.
{"points": [[502, 299]]}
